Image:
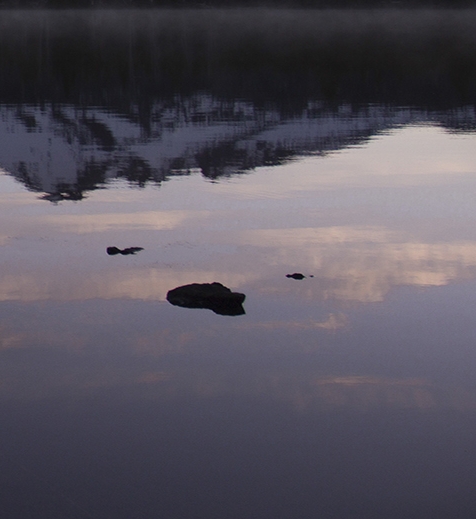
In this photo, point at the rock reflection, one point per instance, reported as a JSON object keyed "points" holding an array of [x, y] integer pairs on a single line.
{"points": [[213, 296]]}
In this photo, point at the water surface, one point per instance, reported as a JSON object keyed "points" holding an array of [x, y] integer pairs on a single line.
{"points": [[349, 393]]}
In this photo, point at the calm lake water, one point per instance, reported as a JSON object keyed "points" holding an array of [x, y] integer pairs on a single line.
{"points": [[238, 147]]}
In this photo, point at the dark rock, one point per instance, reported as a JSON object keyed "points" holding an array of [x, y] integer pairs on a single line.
{"points": [[112, 251], [213, 296], [296, 275]]}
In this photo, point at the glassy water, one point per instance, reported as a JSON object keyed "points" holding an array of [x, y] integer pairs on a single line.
{"points": [[238, 147]]}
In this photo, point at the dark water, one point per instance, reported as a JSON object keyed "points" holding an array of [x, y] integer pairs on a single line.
{"points": [[238, 147]]}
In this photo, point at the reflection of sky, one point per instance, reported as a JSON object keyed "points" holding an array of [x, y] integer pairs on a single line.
{"points": [[357, 381], [396, 212]]}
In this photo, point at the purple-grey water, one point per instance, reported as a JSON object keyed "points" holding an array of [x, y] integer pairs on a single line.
{"points": [[348, 156]]}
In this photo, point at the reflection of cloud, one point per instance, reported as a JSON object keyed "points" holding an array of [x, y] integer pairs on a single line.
{"points": [[332, 323], [373, 391], [90, 223], [146, 284], [9, 339], [298, 237], [355, 393], [348, 263], [363, 263], [149, 348]]}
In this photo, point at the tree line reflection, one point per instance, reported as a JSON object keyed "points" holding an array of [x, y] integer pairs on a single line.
{"points": [[87, 96]]}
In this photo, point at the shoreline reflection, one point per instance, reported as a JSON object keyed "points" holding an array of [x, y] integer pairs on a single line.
{"points": [[85, 149]]}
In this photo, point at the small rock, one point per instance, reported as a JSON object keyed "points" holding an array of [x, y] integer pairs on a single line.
{"points": [[112, 251], [296, 275]]}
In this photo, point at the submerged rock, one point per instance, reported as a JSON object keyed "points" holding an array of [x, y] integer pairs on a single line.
{"points": [[213, 296], [296, 275], [112, 251]]}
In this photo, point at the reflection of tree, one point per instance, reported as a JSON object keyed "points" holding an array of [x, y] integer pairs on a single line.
{"points": [[225, 91], [91, 176], [100, 133], [27, 177], [137, 171], [65, 151], [223, 160], [281, 58]]}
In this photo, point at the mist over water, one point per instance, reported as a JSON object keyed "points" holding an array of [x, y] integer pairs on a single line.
{"points": [[318, 163]]}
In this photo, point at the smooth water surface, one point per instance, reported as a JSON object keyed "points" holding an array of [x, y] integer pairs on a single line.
{"points": [[347, 394]]}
